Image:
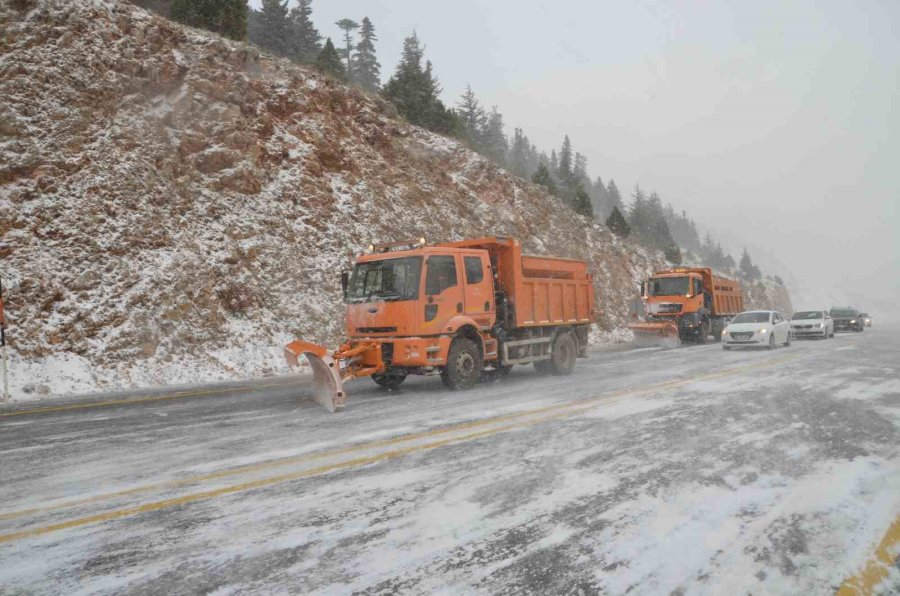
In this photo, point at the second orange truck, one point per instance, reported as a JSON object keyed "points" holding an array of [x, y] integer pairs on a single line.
{"points": [[686, 304]]}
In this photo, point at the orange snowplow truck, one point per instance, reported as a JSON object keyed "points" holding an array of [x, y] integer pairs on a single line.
{"points": [[686, 304], [458, 309]]}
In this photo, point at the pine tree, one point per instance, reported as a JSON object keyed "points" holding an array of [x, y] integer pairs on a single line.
{"points": [[617, 224], [493, 140], [748, 270], [579, 170], [542, 176], [554, 165], [728, 262], [601, 199], [615, 198], [648, 224], [518, 158], [329, 61], [225, 17], [673, 253], [565, 162], [274, 32], [581, 202], [348, 25], [719, 259], [415, 91], [366, 69], [305, 40], [639, 215], [472, 119]]}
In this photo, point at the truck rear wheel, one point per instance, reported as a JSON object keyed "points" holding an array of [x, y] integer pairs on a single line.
{"points": [[464, 364], [565, 351]]}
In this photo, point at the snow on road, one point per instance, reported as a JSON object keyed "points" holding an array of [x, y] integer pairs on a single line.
{"points": [[690, 471]]}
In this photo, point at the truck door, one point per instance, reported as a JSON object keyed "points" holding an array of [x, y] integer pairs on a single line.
{"points": [[479, 288], [443, 293]]}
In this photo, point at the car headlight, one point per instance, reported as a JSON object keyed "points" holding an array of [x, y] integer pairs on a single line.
{"points": [[819, 325], [724, 332], [853, 321], [763, 331]]}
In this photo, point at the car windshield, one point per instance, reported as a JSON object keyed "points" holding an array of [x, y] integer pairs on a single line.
{"points": [[669, 286], [389, 280], [864, 315], [751, 317], [843, 312], [810, 314]]}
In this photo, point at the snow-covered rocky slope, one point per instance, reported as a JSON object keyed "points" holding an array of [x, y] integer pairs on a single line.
{"points": [[174, 207]]}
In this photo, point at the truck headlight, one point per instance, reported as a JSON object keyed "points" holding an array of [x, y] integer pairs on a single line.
{"points": [[724, 332], [853, 321]]}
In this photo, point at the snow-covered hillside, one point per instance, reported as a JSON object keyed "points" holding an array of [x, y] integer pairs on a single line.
{"points": [[174, 207]]}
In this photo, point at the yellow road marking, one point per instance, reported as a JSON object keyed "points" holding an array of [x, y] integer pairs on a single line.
{"points": [[263, 482], [877, 567], [140, 400], [267, 465], [554, 410]]}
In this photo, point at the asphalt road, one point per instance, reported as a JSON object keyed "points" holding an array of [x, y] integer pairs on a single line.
{"points": [[690, 470]]}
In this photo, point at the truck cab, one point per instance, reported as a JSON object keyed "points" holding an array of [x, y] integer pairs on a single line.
{"points": [[411, 301], [425, 291], [674, 294]]}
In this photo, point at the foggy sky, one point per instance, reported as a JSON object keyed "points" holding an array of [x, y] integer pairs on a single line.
{"points": [[774, 124]]}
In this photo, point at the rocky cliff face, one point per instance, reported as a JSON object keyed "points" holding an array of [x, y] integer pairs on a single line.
{"points": [[174, 207]]}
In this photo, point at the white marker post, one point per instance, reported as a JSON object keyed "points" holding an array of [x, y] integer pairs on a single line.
{"points": [[4, 397]]}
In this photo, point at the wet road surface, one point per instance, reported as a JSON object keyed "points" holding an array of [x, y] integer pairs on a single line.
{"points": [[691, 470]]}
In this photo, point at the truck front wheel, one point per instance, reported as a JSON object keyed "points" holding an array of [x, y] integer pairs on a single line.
{"points": [[565, 351], [464, 364]]}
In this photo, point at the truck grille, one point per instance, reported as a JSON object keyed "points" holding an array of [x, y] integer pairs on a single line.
{"points": [[376, 329], [669, 308], [741, 334], [387, 353]]}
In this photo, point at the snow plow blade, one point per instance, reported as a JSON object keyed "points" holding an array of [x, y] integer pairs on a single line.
{"points": [[328, 388], [664, 335]]}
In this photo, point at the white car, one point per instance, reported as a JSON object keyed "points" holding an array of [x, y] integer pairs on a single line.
{"points": [[766, 328], [812, 323]]}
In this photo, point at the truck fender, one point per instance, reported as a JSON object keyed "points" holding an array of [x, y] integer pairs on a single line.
{"points": [[466, 327]]}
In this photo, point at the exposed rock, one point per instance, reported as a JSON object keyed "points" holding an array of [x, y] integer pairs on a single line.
{"points": [[174, 206]]}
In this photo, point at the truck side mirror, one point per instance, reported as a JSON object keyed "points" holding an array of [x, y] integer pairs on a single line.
{"points": [[345, 282]]}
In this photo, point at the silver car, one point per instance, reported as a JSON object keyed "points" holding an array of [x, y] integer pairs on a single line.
{"points": [[812, 324]]}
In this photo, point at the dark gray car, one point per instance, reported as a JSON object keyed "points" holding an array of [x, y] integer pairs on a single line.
{"points": [[847, 318]]}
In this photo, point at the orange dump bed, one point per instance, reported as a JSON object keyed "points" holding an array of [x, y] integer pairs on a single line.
{"points": [[542, 290], [727, 296]]}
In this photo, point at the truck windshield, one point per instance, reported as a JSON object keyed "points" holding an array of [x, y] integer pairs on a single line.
{"points": [[388, 280], [811, 314], [669, 286]]}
